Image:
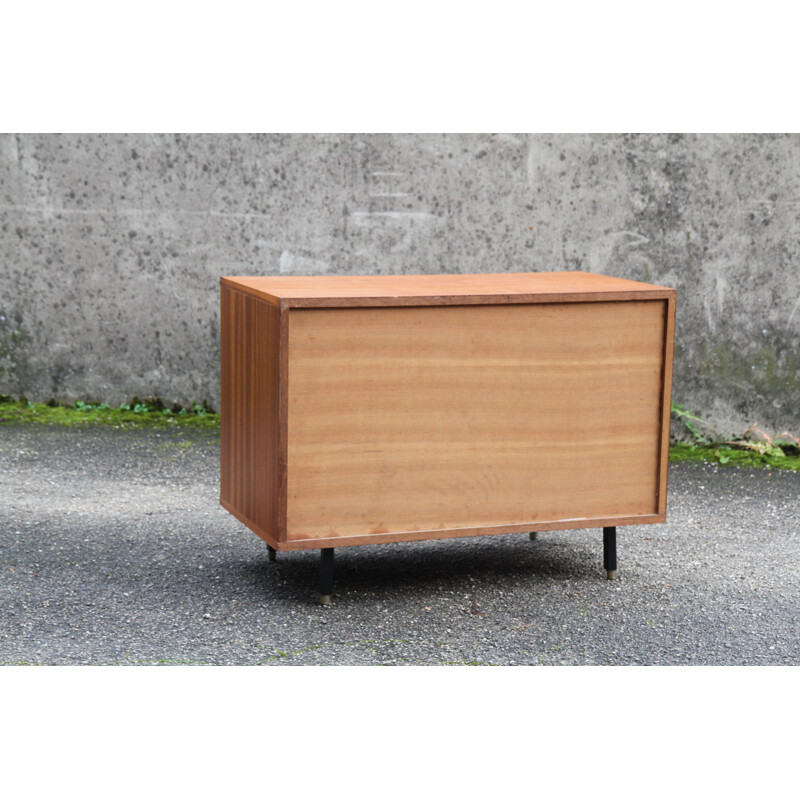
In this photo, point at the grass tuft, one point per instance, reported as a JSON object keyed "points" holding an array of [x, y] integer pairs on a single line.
{"points": [[753, 448], [731, 457], [138, 413]]}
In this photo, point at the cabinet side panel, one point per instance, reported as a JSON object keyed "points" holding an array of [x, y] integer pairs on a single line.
{"points": [[412, 419], [249, 411]]}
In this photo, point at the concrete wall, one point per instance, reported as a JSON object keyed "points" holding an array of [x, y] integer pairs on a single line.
{"points": [[111, 246]]}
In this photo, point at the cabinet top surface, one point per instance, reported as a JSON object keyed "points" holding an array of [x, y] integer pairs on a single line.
{"points": [[392, 290]]}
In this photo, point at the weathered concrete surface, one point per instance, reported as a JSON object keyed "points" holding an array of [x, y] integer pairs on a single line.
{"points": [[112, 245]]}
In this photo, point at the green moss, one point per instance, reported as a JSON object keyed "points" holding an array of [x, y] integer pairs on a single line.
{"points": [[136, 414], [708, 445], [731, 457]]}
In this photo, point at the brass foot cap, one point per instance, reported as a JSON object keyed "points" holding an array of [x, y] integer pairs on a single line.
{"points": [[611, 574], [532, 534], [325, 599]]}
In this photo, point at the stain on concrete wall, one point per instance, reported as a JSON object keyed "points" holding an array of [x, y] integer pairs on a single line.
{"points": [[13, 347], [111, 246]]}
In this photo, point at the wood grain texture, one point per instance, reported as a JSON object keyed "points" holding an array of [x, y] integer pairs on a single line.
{"points": [[333, 291], [449, 419], [666, 399], [452, 533], [249, 406]]}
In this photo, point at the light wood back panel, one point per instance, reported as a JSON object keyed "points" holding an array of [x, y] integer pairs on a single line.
{"points": [[249, 480], [425, 418]]}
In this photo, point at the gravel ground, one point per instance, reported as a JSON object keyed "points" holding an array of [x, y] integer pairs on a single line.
{"points": [[114, 550]]}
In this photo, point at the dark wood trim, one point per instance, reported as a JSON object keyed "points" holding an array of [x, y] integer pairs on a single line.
{"points": [[450, 533], [283, 422], [467, 300], [454, 533], [666, 402]]}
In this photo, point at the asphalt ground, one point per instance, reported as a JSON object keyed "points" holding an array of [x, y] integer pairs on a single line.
{"points": [[114, 551]]}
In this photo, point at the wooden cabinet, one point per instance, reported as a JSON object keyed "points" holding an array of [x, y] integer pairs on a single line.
{"points": [[366, 409]]}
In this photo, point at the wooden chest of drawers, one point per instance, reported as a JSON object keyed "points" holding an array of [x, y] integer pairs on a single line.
{"points": [[365, 409]]}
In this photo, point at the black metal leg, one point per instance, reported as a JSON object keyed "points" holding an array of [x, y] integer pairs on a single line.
{"points": [[326, 575], [270, 552], [610, 552], [532, 535]]}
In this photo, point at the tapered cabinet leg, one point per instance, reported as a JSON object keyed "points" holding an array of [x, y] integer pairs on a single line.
{"points": [[610, 552], [532, 535], [326, 575], [270, 552]]}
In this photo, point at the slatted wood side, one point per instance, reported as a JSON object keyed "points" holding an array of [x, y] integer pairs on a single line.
{"points": [[249, 466], [456, 417]]}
